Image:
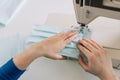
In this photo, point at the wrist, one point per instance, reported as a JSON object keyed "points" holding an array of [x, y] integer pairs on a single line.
{"points": [[25, 58], [35, 51], [108, 74]]}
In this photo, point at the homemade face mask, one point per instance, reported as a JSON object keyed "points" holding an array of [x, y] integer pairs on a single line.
{"points": [[8, 8], [41, 32]]}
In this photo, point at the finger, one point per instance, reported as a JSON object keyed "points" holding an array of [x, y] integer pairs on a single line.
{"points": [[94, 44], [55, 56], [87, 45], [85, 51], [61, 35], [70, 33], [97, 44], [70, 39], [100, 47], [81, 62]]}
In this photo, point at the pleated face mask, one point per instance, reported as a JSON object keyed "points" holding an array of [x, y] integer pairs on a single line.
{"points": [[41, 32]]}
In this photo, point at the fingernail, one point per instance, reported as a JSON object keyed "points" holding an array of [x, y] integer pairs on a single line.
{"points": [[59, 56], [76, 35]]}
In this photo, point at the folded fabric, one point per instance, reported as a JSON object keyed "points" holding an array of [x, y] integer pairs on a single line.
{"points": [[8, 8], [41, 32], [10, 46]]}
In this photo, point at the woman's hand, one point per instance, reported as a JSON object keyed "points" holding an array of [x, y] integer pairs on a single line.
{"points": [[53, 45], [99, 63], [48, 48]]}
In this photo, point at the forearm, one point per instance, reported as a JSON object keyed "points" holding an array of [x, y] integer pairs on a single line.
{"points": [[23, 60], [10, 72], [15, 67]]}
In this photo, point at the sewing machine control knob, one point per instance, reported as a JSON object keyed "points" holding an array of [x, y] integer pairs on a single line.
{"points": [[87, 14]]}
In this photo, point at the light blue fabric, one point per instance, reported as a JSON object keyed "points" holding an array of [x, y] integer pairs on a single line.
{"points": [[8, 8], [10, 46], [41, 32]]}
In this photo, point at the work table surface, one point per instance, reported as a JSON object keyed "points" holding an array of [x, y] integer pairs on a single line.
{"points": [[39, 12]]}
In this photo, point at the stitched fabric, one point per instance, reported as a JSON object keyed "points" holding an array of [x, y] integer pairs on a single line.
{"points": [[41, 32]]}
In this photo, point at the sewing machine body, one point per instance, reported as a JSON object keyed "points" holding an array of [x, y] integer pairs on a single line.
{"points": [[87, 10]]}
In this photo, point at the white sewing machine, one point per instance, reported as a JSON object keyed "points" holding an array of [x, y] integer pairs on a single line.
{"points": [[88, 10]]}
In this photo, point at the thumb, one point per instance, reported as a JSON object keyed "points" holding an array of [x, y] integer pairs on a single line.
{"points": [[55, 56], [81, 62]]}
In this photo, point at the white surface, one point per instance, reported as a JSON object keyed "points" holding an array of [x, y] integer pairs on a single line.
{"points": [[10, 46], [35, 12], [8, 8], [108, 30]]}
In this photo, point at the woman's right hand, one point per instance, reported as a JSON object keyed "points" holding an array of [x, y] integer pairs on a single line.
{"points": [[99, 63], [51, 46], [47, 48]]}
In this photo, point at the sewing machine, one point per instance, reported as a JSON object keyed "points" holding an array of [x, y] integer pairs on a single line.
{"points": [[88, 10]]}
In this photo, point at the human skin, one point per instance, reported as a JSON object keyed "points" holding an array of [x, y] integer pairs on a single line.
{"points": [[99, 62], [47, 48]]}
